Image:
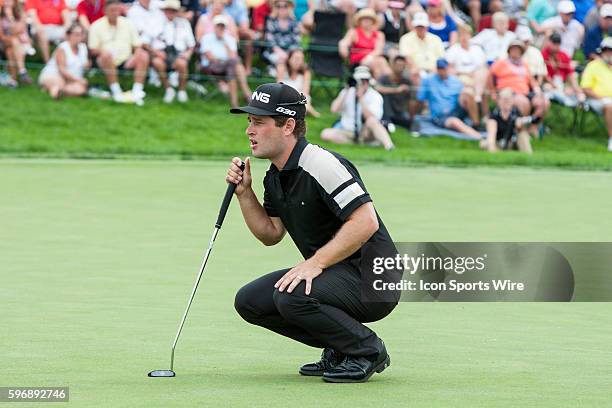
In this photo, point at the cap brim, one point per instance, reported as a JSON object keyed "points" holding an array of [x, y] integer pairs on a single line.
{"points": [[253, 111]]}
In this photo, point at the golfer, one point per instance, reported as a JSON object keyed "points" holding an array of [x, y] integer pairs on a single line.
{"points": [[319, 198]]}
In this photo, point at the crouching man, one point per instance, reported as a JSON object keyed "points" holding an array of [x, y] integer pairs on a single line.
{"points": [[318, 197]]}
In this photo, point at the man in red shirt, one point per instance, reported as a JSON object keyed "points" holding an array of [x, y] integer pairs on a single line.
{"points": [[89, 11], [560, 71], [50, 18]]}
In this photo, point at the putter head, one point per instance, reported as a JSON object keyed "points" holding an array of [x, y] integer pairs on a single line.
{"points": [[162, 373]]}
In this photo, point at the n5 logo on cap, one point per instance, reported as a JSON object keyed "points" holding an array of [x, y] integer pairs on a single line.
{"points": [[261, 97]]}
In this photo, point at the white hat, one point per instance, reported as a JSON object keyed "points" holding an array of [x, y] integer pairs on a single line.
{"points": [[220, 19], [420, 19], [566, 7], [606, 43], [606, 10], [523, 33], [362, 72], [171, 4]]}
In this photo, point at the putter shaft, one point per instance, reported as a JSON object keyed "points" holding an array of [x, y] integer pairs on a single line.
{"points": [[193, 292]]}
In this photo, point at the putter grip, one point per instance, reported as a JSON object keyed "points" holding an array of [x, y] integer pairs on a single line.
{"points": [[231, 187]]}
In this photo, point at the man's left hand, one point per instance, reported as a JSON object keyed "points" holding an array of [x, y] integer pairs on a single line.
{"points": [[304, 271]]}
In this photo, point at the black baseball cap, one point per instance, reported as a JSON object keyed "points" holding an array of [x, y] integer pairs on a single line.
{"points": [[275, 99]]}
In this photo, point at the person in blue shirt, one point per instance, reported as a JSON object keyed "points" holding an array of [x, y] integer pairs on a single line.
{"points": [[582, 8], [237, 9], [448, 103], [440, 23], [593, 36]]}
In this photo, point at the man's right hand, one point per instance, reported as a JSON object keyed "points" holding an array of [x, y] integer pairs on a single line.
{"points": [[242, 179]]}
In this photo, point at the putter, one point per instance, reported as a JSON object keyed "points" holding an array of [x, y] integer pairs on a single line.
{"points": [[224, 206]]}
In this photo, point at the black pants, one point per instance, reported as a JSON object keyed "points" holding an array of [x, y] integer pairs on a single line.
{"points": [[331, 316]]}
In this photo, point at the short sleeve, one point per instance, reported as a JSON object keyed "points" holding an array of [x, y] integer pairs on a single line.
{"points": [[134, 38], [337, 180]]}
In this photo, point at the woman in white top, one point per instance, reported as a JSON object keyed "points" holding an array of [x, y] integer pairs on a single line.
{"points": [[63, 74], [297, 75], [469, 63]]}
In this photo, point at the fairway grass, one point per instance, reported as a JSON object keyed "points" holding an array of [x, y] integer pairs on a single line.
{"points": [[98, 258]]}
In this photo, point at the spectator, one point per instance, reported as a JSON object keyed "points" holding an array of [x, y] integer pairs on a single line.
{"points": [[559, 72], [63, 74], [539, 11], [513, 8], [237, 10], [513, 72], [469, 63], [394, 25], [597, 84], [582, 9], [219, 56], [595, 35], [487, 20], [260, 14], [147, 19], [440, 23], [364, 44], [189, 10], [532, 55], [16, 42], [282, 34], [570, 29], [89, 11], [114, 43], [205, 23], [592, 17], [448, 104], [396, 89], [474, 9], [361, 122], [421, 48], [506, 128], [494, 41], [297, 75], [172, 50], [49, 19]]}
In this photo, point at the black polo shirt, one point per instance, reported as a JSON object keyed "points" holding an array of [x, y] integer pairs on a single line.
{"points": [[314, 194]]}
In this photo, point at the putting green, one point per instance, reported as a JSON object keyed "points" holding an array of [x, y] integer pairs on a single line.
{"points": [[97, 260]]}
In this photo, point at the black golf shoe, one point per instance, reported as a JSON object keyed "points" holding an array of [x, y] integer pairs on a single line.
{"points": [[357, 369], [329, 359]]}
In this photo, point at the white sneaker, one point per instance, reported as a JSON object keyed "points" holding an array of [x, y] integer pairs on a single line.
{"points": [[120, 97], [169, 95], [610, 144], [182, 96]]}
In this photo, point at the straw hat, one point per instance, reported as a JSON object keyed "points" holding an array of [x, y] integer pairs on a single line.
{"points": [[366, 13]]}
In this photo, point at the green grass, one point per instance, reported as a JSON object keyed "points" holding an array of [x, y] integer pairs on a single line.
{"points": [[98, 259], [35, 126]]}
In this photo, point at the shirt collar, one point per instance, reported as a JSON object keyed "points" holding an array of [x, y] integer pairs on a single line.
{"points": [[294, 157]]}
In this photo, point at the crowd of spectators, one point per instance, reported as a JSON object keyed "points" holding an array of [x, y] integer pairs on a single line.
{"points": [[485, 69]]}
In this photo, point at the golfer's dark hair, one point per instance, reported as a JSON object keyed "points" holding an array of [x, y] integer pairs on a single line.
{"points": [[300, 125]]}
